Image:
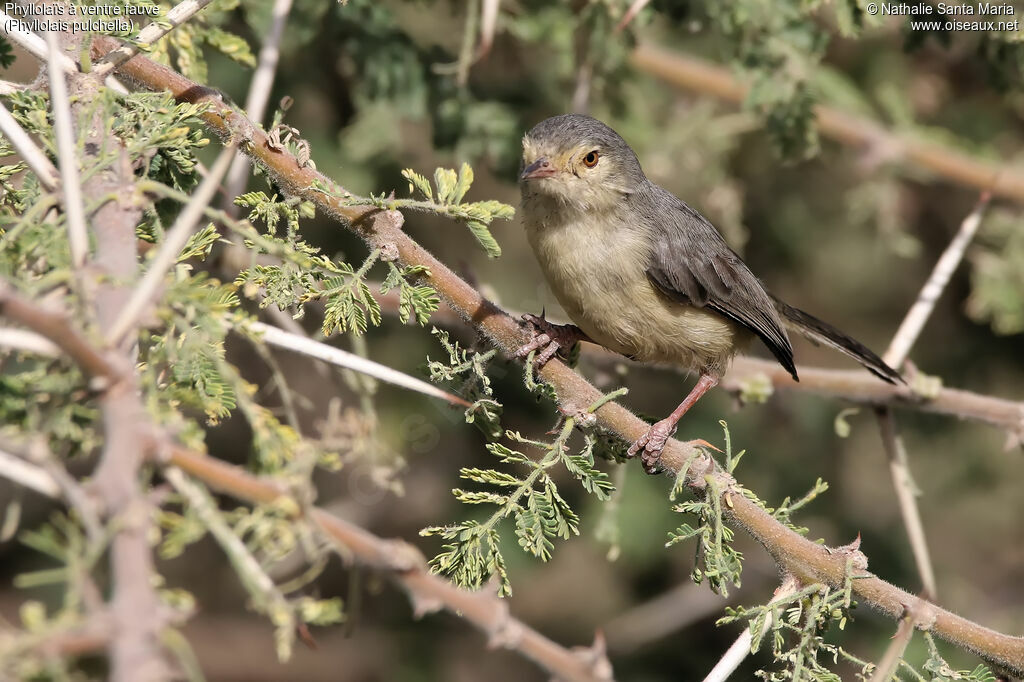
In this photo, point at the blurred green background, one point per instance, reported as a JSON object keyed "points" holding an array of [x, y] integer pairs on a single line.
{"points": [[849, 234]]}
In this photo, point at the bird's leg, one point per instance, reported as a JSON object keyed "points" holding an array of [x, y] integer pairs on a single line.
{"points": [[653, 442], [549, 338]]}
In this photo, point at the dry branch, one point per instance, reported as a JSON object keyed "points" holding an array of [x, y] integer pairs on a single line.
{"points": [[696, 74], [855, 386], [407, 567], [795, 554]]}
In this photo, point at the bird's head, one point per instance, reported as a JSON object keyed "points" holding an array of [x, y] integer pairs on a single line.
{"points": [[579, 162]]}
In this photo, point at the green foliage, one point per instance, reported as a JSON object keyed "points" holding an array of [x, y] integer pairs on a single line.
{"points": [[940, 671], [183, 47], [272, 210], [414, 300], [722, 563], [6, 54], [797, 620], [778, 44], [185, 360], [302, 274], [468, 370], [451, 187], [997, 273], [540, 513]]}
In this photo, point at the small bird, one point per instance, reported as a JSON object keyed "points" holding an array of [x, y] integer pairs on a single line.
{"points": [[642, 273]]}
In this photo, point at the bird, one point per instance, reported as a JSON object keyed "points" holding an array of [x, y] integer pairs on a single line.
{"points": [[640, 272]]}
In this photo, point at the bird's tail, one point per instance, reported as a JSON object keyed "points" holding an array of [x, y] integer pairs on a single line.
{"points": [[823, 333]]}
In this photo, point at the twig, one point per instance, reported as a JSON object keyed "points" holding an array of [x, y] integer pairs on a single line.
{"points": [[466, 53], [853, 385], [174, 240], [899, 347], [48, 175], [807, 560], [906, 495], [634, 9], [259, 91], [177, 16], [488, 21], [29, 475], [919, 313], [734, 655], [696, 74], [336, 356], [405, 565], [860, 387], [894, 652], [34, 453], [23, 340], [266, 595], [74, 209], [57, 329], [740, 649]]}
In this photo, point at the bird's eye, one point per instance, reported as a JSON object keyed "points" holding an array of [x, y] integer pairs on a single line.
{"points": [[590, 160]]}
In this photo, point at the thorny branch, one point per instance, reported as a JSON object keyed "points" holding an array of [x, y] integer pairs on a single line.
{"points": [[701, 76], [794, 554], [852, 385]]}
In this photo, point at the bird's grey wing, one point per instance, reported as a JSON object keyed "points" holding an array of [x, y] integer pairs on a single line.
{"points": [[691, 263]]}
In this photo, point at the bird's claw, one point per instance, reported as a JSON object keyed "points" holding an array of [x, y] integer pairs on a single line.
{"points": [[547, 338], [651, 444]]}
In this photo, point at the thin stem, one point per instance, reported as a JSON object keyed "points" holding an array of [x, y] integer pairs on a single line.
{"points": [[894, 652], [55, 327], [906, 495], [27, 149], [24, 340], [634, 9], [919, 313], [174, 240], [341, 358], [740, 649], [899, 347], [734, 655], [691, 73], [259, 91], [488, 21], [28, 475], [74, 210], [178, 15], [260, 586]]}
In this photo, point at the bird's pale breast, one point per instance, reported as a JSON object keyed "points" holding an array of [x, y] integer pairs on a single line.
{"points": [[596, 267]]}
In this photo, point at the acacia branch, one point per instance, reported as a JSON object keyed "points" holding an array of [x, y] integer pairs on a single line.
{"points": [[795, 554], [860, 387], [135, 650], [403, 562], [406, 565], [156, 30], [904, 339], [856, 386], [691, 73]]}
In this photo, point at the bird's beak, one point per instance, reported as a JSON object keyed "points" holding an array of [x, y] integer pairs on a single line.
{"points": [[541, 168]]}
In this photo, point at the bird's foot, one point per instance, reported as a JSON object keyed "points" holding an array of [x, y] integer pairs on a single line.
{"points": [[651, 444], [548, 338]]}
